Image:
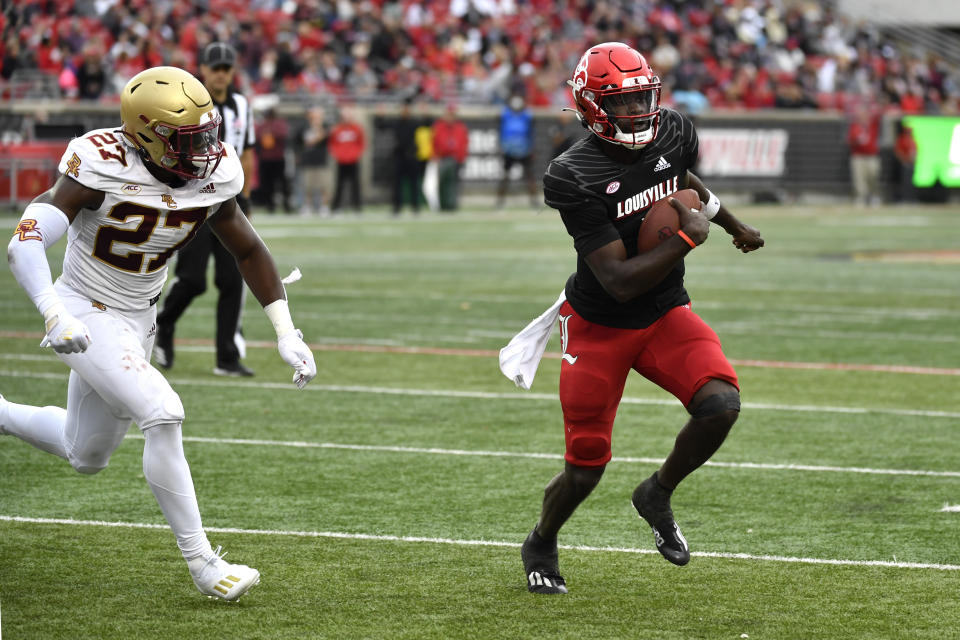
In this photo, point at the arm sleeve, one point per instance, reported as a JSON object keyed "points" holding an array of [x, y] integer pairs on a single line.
{"points": [[41, 226]]}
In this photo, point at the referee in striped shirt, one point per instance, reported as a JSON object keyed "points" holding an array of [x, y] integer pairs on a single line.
{"points": [[217, 67]]}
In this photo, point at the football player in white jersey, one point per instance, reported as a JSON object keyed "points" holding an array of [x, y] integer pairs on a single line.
{"points": [[127, 199]]}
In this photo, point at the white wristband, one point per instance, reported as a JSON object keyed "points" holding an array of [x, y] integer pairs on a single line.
{"points": [[712, 206], [52, 315], [279, 313]]}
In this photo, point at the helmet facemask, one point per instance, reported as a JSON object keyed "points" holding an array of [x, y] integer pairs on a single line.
{"points": [[192, 151], [633, 115]]}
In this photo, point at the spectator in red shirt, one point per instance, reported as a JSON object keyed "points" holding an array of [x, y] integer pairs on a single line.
{"points": [[905, 152], [272, 136], [862, 137], [347, 143], [450, 143]]}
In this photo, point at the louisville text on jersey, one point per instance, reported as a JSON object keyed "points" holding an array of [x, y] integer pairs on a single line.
{"points": [[642, 200]]}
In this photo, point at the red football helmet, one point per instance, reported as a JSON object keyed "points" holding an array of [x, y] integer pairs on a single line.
{"points": [[617, 95]]}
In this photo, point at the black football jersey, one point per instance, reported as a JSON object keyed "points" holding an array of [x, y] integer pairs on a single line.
{"points": [[601, 200]]}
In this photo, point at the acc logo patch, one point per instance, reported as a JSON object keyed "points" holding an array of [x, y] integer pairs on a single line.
{"points": [[130, 188], [613, 187]]}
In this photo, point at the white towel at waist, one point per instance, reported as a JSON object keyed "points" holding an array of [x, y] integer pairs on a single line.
{"points": [[520, 358]]}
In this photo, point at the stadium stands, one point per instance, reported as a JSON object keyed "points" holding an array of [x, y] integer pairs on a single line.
{"points": [[733, 54]]}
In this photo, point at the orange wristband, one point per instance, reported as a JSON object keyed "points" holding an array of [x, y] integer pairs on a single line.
{"points": [[686, 238]]}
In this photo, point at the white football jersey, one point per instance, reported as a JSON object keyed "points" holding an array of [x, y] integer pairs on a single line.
{"points": [[117, 254]]}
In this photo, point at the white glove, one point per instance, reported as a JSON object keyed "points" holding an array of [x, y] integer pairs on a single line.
{"points": [[65, 334], [296, 353]]}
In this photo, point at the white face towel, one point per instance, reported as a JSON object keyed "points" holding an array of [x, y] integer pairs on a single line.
{"points": [[521, 357]]}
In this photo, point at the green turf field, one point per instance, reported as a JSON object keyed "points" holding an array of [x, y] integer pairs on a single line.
{"points": [[389, 498]]}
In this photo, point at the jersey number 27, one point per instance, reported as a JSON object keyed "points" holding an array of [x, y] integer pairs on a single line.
{"points": [[133, 260]]}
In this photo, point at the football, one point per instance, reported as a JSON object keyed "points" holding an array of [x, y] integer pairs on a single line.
{"points": [[662, 220]]}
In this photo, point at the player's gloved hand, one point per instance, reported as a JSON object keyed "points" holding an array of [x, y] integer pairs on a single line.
{"points": [[296, 353], [65, 334], [692, 222]]}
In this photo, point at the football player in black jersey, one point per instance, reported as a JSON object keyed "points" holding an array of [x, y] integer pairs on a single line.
{"points": [[626, 310]]}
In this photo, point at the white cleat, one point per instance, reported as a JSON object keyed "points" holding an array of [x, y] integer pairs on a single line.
{"points": [[216, 578]]}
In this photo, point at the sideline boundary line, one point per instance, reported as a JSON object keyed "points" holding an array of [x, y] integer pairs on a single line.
{"points": [[489, 543]]}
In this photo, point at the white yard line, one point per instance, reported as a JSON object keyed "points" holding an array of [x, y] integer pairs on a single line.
{"points": [[494, 395], [761, 466], [844, 311], [487, 543]]}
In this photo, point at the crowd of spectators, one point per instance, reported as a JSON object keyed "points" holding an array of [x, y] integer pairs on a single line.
{"points": [[740, 54]]}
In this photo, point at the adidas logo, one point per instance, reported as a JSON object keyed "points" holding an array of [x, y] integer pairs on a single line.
{"points": [[662, 164], [536, 579], [211, 189]]}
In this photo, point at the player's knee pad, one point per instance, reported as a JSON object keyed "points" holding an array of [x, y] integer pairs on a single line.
{"points": [[163, 403], [88, 469], [589, 447], [718, 404]]}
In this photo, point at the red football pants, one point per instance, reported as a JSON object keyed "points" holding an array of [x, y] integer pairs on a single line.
{"points": [[678, 352]]}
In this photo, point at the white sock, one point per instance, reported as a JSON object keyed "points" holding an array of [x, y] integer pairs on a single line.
{"points": [[168, 474], [42, 427]]}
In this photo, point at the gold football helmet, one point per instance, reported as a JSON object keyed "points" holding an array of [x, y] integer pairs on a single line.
{"points": [[169, 115]]}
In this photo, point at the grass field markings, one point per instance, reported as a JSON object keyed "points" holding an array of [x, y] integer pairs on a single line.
{"points": [[758, 328], [876, 221], [838, 310], [955, 508], [462, 320], [31, 357], [761, 466], [496, 395], [316, 232], [486, 543], [843, 311], [826, 289], [379, 346]]}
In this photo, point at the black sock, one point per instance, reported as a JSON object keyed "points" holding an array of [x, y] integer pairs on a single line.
{"points": [[656, 479], [655, 500], [540, 541]]}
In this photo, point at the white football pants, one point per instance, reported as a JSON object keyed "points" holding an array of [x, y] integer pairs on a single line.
{"points": [[113, 384]]}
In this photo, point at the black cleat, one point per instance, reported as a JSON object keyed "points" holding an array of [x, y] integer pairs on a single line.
{"points": [[540, 563], [163, 347], [234, 370], [652, 503]]}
